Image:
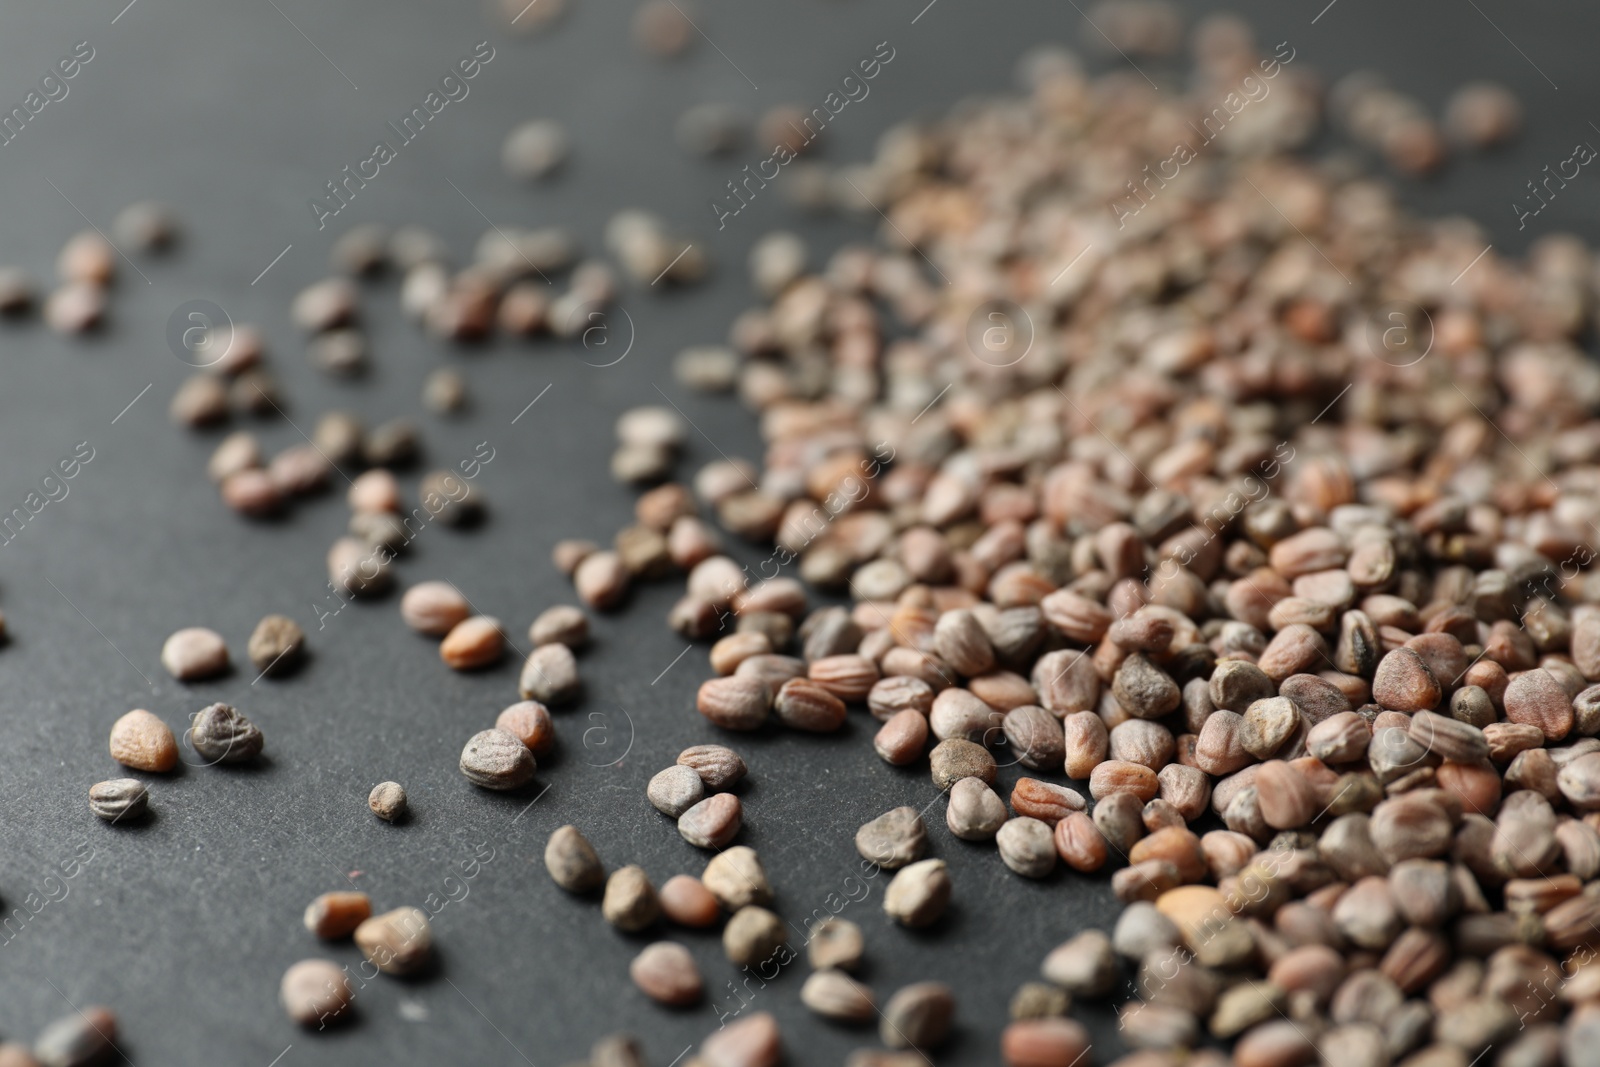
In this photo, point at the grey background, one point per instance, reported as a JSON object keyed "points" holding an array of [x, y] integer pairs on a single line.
{"points": [[226, 110]]}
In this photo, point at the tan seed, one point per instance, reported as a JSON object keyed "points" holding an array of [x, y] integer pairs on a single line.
{"points": [[143, 742]]}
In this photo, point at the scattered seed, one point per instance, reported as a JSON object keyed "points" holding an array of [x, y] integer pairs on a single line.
{"points": [[220, 734], [497, 759], [142, 741], [398, 942], [572, 862], [120, 799], [335, 916], [387, 801]]}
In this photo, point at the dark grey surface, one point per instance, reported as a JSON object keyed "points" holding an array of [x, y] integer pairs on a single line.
{"points": [[225, 109]]}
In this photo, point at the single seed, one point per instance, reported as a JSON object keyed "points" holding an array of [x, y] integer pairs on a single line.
{"points": [[918, 1016], [572, 862], [974, 812], [712, 823], [736, 878], [835, 942], [194, 654], [675, 790], [893, 839], [387, 801], [434, 608], [119, 799], [497, 759], [718, 766], [956, 758], [835, 995], [220, 734], [630, 902], [473, 643], [276, 645], [313, 993], [142, 741], [398, 942], [530, 722], [562, 625], [686, 901], [550, 676], [919, 893], [335, 916], [753, 936], [666, 973], [1027, 847]]}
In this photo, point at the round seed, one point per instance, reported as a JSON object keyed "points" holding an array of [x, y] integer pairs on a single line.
{"points": [[893, 839], [195, 653], [572, 862], [835, 942], [753, 936], [719, 767], [919, 893], [687, 902], [143, 742], [712, 823], [534, 149], [562, 625], [398, 942], [387, 801], [975, 812], [220, 734], [434, 608], [956, 758], [835, 995], [119, 799], [276, 645], [1027, 847], [550, 676], [753, 1041], [472, 644], [918, 1016], [530, 722], [375, 490], [497, 759], [666, 973], [675, 790], [335, 916], [630, 903], [736, 878], [313, 993]]}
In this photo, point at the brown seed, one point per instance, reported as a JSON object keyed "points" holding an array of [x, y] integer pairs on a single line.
{"points": [[735, 703], [1536, 698], [835, 995], [572, 862], [1079, 843], [957, 758], [803, 704], [1045, 801], [358, 569], [562, 625], [1043, 1043], [974, 812], [434, 608], [890, 696], [718, 766], [1267, 725], [919, 893], [118, 800], [1404, 682], [893, 839], [675, 790], [530, 721], [666, 973], [687, 902], [387, 801], [1144, 690], [753, 936], [143, 742], [1118, 776], [313, 993], [601, 580], [81, 308], [918, 1016], [901, 739], [276, 645], [550, 676], [237, 452], [472, 644], [219, 733], [497, 759], [753, 1041], [1027, 847], [712, 823], [194, 654], [835, 942], [335, 916], [1036, 737], [630, 902], [397, 942]]}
